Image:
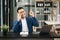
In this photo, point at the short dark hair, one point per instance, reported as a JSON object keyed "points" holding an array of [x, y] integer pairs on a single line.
{"points": [[19, 8]]}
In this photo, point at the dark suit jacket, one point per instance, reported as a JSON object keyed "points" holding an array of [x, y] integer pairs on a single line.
{"points": [[17, 26]]}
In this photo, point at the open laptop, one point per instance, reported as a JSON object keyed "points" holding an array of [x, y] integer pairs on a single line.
{"points": [[45, 30]]}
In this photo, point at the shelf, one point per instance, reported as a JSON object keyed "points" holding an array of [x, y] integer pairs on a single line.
{"points": [[45, 4], [45, 14], [51, 0], [39, 0], [29, 5], [42, 20], [47, 7], [55, 0]]}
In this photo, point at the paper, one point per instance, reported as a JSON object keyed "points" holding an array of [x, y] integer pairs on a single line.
{"points": [[23, 32]]}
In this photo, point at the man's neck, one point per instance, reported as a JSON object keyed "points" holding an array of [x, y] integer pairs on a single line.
{"points": [[23, 18]]}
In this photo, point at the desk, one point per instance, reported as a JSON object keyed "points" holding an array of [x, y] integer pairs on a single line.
{"points": [[16, 36], [52, 22]]}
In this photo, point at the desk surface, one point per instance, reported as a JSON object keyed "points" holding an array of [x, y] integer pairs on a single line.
{"points": [[52, 22], [16, 35]]}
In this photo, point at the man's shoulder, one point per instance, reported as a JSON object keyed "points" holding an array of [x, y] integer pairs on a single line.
{"points": [[28, 18], [14, 20]]}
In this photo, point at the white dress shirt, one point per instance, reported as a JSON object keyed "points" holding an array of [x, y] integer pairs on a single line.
{"points": [[24, 25]]}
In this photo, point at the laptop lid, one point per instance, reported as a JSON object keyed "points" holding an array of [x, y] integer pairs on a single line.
{"points": [[45, 29]]}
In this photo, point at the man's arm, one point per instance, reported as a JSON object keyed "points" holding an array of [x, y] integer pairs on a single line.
{"points": [[34, 20], [17, 23], [16, 26]]}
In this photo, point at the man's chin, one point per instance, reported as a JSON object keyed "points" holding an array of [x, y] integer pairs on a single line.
{"points": [[22, 17]]}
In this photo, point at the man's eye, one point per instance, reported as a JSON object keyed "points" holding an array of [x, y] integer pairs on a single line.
{"points": [[22, 12]]}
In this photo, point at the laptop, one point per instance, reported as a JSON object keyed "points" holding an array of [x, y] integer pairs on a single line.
{"points": [[45, 30]]}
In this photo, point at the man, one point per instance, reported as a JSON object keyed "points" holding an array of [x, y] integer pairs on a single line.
{"points": [[23, 23]]}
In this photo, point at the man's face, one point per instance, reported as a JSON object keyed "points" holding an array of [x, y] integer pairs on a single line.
{"points": [[21, 12]]}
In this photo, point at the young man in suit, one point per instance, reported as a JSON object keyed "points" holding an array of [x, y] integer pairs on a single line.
{"points": [[23, 23]]}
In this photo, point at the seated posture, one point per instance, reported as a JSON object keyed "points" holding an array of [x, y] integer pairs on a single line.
{"points": [[23, 23]]}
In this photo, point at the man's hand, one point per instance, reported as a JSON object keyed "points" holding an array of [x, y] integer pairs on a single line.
{"points": [[18, 17], [31, 13]]}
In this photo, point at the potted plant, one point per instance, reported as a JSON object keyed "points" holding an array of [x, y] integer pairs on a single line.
{"points": [[5, 29]]}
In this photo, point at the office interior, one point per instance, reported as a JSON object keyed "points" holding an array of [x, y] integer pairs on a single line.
{"points": [[46, 11]]}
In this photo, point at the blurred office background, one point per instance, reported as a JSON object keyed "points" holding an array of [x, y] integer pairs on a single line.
{"points": [[8, 11]]}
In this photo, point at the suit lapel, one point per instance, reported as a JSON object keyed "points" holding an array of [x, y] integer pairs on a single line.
{"points": [[27, 21]]}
